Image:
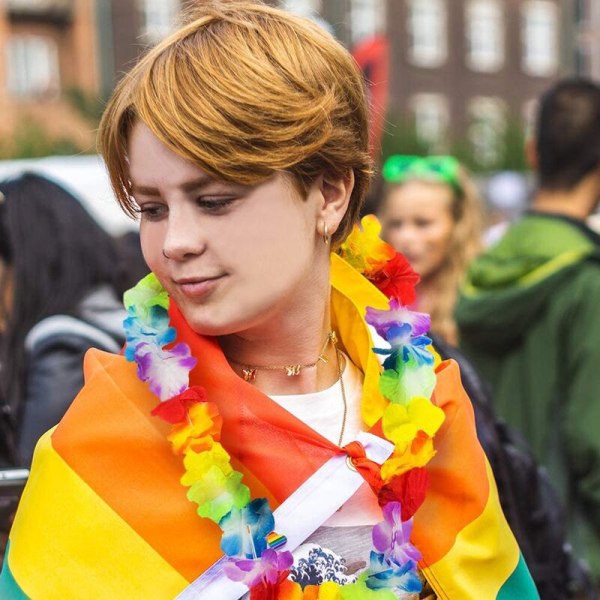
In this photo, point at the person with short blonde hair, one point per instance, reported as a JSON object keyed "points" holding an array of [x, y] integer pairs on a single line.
{"points": [[255, 420]]}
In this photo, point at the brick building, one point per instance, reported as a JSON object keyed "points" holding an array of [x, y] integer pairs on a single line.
{"points": [[48, 59], [60, 58], [455, 70]]}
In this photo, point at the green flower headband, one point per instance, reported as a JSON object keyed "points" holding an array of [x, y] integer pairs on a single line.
{"points": [[444, 169]]}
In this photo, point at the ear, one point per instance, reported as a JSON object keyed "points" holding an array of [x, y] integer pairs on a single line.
{"points": [[531, 156], [332, 198]]}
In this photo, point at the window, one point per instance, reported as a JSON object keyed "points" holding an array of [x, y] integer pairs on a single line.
{"points": [[431, 118], [32, 67], [487, 130], [539, 35], [485, 35], [159, 18], [310, 9], [427, 29], [367, 18], [306, 8]]}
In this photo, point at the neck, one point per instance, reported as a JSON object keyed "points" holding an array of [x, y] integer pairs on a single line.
{"points": [[577, 203], [294, 336]]}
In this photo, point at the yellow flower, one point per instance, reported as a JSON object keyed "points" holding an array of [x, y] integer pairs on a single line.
{"points": [[197, 464], [364, 249], [401, 423], [199, 432], [420, 453], [326, 591]]}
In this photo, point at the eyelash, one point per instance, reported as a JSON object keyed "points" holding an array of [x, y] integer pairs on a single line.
{"points": [[154, 212], [216, 205]]}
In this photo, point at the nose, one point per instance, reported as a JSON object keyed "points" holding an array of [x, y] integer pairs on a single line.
{"points": [[185, 236], [406, 236]]}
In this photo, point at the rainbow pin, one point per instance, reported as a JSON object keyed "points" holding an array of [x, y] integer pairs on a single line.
{"points": [[275, 540]]}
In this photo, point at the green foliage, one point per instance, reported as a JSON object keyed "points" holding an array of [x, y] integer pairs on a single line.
{"points": [[400, 138], [89, 106], [31, 140]]}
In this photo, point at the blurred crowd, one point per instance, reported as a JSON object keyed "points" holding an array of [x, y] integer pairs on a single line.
{"points": [[509, 271]]}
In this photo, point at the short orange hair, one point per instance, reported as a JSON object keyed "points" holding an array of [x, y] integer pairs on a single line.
{"points": [[244, 90]]}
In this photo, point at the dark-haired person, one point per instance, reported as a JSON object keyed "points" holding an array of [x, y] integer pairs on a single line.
{"points": [[59, 297], [529, 315]]}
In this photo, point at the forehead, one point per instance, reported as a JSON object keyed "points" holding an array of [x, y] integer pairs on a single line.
{"points": [[152, 164], [420, 197]]}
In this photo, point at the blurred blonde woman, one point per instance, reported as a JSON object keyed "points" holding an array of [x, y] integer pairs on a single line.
{"points": [[431, 212]]}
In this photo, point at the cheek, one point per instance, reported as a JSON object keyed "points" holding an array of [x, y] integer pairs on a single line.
{"points": [[151, 245]]}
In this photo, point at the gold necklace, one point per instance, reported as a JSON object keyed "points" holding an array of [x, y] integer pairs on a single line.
{"points": [[341, 380], [249, 371]]}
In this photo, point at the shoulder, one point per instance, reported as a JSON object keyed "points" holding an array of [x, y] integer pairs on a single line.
{"points": [[69, 332]]}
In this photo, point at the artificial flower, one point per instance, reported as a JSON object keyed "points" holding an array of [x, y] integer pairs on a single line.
{"points": [[165, 371], [197, 464], [284, 589], [421, 451], [217, 494], [385, 575], [200, 430], [400, 385], [392, 537], [145, 295], [265, 569], [396, 279], [402, 422], [364, 249], [384, 320], [409, 489], [245, 529], [175, 409], [326, 591], [154, 329], [360, 591]]}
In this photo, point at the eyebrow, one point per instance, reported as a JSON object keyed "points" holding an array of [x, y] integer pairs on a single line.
{"points": [[188, 186]]}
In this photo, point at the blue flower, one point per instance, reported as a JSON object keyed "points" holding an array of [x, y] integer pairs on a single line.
{"points": [[245, 529], [154, 330], [383, 574]]}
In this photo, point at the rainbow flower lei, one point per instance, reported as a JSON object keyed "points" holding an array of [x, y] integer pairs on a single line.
{"points": [[410, 422]]}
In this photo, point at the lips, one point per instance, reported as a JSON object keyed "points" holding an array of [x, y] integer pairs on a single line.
{"points": [[196, 287]]}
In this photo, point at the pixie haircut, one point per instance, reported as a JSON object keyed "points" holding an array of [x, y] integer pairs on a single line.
{"points": [[568, 134], [243, 90]]}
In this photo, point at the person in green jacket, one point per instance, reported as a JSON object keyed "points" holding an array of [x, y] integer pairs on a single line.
{"points": [[529, 312]]}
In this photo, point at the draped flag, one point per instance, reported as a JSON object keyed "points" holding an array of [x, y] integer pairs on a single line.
{"points": [[104, 514]]}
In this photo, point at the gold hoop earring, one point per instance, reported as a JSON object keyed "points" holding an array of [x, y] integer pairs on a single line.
{"points": [[326, 236]]}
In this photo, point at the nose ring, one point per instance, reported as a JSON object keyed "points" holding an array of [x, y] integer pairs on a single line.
{"points": [[165, 254]]}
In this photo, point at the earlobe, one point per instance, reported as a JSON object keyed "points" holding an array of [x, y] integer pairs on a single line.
{"points": [[335, 194]]}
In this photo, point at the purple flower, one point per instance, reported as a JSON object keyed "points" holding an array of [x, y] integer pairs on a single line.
{"points": [[265, 569], [245, 529], [392, 537], [393, 323], [166, 371]]}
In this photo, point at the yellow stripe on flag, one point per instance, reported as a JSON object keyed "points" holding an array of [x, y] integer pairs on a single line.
{"points": [[481, 560], [59, 539]]}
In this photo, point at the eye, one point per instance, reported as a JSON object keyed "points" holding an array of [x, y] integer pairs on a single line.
{"points": [[423, 223], [152, 211], [215, 204]]}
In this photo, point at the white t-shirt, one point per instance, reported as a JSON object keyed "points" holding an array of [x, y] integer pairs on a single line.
{"points": [[339, 549]]}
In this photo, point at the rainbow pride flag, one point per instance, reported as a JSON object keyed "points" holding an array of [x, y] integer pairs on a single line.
{"points": [[105, 516]]}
